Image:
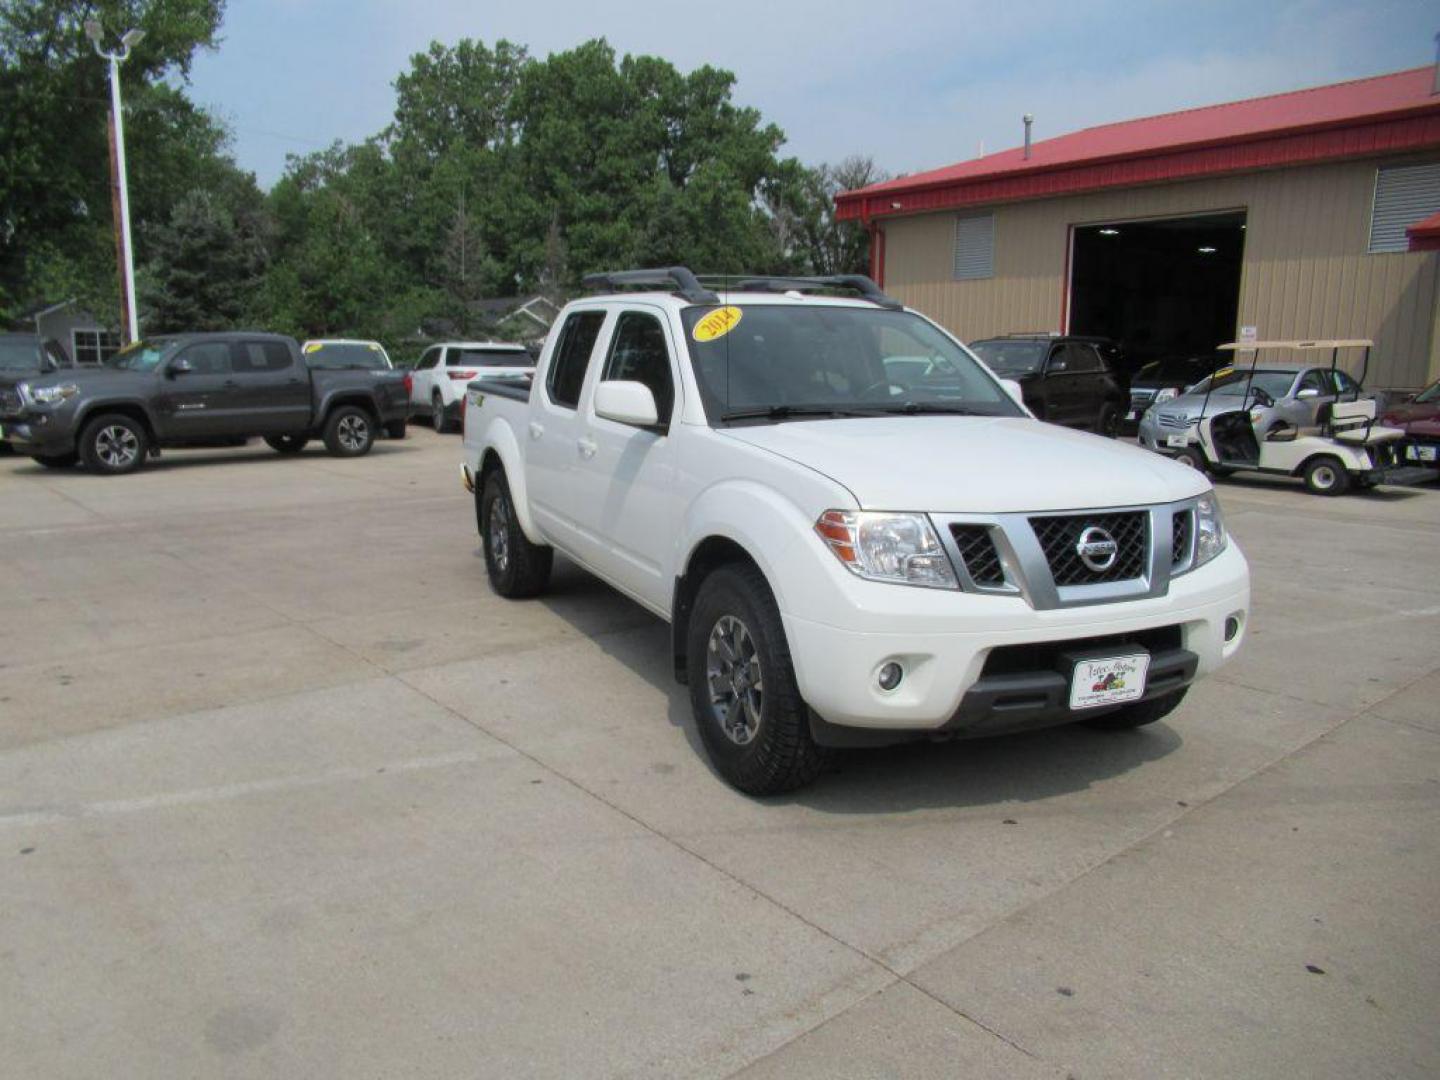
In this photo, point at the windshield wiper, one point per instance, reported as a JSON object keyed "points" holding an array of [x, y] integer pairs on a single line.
{"points": [[785, 412], [911, 408]]}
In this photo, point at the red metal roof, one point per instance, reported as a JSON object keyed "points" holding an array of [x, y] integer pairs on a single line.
{"points": [[1425, 235], [1376, 115]]}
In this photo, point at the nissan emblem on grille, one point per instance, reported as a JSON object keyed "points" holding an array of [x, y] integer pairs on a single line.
{"points": [[1097, 549]]}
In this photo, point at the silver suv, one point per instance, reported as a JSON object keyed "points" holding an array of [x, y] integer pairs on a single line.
{"points": [[1287, 396]]}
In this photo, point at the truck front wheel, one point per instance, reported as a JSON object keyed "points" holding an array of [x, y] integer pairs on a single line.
{"points": [[517, 568], [747, 706], [113, 444], [349, 432]]}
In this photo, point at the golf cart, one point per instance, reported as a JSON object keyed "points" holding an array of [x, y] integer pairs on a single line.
{"points": [[1344, 448]]}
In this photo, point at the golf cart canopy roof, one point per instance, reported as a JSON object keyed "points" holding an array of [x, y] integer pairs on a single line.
{"points": [[1246, 346]]}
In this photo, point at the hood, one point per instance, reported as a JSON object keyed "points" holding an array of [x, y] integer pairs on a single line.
{"points": [[974, 464], [87, 378], [1194, 405]]}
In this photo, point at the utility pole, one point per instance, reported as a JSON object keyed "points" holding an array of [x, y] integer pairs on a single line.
{"points": [[119, 191]]}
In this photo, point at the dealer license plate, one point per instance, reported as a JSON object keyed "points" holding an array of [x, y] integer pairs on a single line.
{"points": [[1177, 440], [1108, 682], [1420, 453]]}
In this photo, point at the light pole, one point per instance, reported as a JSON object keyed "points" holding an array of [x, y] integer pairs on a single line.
{"points": [[119, 191]]}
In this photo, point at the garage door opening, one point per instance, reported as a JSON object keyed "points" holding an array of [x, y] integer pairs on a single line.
{"points": [[1162, 287]]}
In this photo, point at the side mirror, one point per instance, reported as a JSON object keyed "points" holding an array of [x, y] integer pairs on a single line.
{"points": [[1308, 393], [626, 402], [182, 366], [1016, 394]]}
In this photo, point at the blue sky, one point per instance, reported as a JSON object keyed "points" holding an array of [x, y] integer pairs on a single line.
{"points": [[915, 85]]}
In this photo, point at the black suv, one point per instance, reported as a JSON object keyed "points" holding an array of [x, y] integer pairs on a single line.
{"points": [[1065, 379]]}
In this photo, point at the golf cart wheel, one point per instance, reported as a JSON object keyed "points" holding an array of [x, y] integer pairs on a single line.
{"points": [[1189, 455], [1326, 475], [1139, 714]]}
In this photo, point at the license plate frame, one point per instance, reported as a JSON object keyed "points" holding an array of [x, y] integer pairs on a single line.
{"points": [[1421, 453], [1096, 682], [1177, 442]]}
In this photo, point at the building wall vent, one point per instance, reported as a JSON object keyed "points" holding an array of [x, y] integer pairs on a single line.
{"points": [[975, 246], [1404, 194]]}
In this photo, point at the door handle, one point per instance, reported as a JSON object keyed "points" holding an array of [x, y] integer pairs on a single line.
{"points": [[587, 446], [536, 430]]}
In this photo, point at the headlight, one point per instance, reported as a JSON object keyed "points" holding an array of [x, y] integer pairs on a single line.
{"points": [[48, 395], [900, 548], [1166, 394], [1209, 530]]}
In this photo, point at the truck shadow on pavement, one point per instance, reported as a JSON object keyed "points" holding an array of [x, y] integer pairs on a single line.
{"points": [[182, 459], [1022, 768]]}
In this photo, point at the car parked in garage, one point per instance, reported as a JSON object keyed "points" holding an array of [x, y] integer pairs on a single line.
{"points": [[1064, 379], [846, 557], [1162, 380], [1419, 417], [195, 389], [437, 384]]}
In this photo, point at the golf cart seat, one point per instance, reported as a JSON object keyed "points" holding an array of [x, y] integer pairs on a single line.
{"points": [[1354, 422]]}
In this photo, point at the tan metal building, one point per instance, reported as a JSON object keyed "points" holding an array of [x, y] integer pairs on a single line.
{"points": [[1282, 217]]}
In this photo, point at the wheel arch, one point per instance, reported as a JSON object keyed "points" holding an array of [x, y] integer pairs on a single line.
{"points": [[709, 555], [501, 451], [341, 398], [132, 409]]}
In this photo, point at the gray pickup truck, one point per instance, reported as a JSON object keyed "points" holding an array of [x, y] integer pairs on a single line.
{"points": [[197, 390]]}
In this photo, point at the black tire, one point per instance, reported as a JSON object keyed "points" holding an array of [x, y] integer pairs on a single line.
{"points": [[1139, 714], [1326, 475], [517, 568], [114, 444], [1108, 422], [760, 740], [349, 431], [56, 461], [437, 415], [286, 444], [395, 429]]}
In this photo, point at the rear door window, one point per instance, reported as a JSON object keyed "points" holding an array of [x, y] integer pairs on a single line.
{"points": [[638, 353], [253, 357], [572, 357]]}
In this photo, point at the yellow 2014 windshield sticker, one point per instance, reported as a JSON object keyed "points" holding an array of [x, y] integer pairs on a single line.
{"points": [[717, 324], [313, 346]]}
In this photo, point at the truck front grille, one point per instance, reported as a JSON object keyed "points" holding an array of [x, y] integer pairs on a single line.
{"points": [[977, 549], [10, 403], [1060, 539]]}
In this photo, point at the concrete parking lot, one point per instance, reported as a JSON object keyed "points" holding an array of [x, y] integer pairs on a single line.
{"points": [[286, 791]]}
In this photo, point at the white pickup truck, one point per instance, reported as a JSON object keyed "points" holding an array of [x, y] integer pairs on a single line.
{"points": [[855, 530]]}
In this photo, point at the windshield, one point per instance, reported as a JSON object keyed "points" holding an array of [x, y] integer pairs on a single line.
{"points": [[1011, 357], [366, 355], [1232, 382], [773, 360], [140, 355], [20, 354], [490, 358], [1430, 395]]}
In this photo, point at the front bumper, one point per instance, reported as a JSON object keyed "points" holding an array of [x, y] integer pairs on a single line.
{"points": [[837, 668], [37, 433]]}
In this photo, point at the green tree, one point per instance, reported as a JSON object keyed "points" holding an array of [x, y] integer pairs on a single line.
{"points": [[55, 219], [205, 267], [801, 204]]}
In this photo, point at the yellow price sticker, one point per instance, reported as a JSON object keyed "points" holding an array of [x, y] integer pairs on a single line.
{"points": [[314, 346], [717, 324], [1224, 372]]}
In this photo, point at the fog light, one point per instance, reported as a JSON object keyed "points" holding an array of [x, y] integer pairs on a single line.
{"points": [[1232, 627], [890, 676]]}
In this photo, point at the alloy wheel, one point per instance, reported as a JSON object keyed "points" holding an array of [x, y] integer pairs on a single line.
{"points": [[732, 669], [352, 432], [117, 446], [499, 533]]}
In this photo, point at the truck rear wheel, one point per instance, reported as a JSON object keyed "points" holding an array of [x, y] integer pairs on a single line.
{"points": [[746, 704], [1139, 714], [286, 444], [350, 432], [113, 444], [517, 568]]}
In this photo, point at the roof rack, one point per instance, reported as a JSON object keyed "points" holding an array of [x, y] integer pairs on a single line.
{"points": [[867, 289], [677, 279]]}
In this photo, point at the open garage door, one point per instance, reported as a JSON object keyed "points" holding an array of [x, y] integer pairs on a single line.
{"points": [[1161, 287]]}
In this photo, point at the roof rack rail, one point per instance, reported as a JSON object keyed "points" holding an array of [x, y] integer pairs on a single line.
{"points": [[867, 288], [677, 279]]}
